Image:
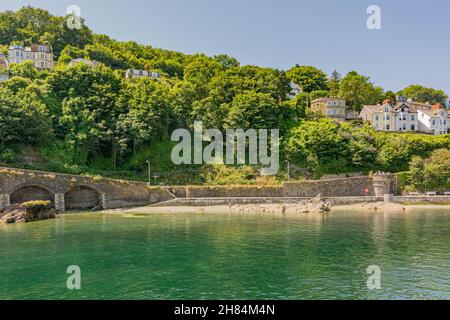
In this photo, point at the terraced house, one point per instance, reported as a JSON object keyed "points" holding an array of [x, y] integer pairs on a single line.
{"points": [[41, 55], [406, 115]]}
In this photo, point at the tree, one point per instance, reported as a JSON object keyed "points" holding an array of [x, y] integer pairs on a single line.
{"points": [[319, 94], [308, 78], [359, 91], [23, 119], [254, 111], [423, 94], [334, 83], [148, 116], [227, 61], [25, 69], [432, 173]]}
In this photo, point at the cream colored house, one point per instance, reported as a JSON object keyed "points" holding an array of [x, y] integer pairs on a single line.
{"points": [[380, 117], [40, 55], [334, 108]]}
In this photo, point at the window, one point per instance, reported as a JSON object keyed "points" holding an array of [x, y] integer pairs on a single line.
{"points": [[377, 118], [42, 64], [433, 122], [413, 117], [388, 127]]}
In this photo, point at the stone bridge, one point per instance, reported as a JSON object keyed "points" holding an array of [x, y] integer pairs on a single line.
{"points": [[70, 192]]}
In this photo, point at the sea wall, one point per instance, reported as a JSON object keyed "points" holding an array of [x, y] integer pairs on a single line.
{"points": [[75, 192], [80, 192]]}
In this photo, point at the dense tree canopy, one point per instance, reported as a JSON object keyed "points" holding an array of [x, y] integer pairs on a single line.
{"points": [[308, 78], [422, 94]]}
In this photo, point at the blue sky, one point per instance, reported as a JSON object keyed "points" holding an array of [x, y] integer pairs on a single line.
{"points": [[412, 47]]}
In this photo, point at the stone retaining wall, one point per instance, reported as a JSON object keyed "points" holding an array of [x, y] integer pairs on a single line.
{"points": [[81, 191]]}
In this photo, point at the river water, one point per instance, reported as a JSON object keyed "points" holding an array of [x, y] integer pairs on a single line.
{"points": [[238, 256]]}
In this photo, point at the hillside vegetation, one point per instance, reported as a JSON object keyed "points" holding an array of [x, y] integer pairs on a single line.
{"points": [[91, 120]]}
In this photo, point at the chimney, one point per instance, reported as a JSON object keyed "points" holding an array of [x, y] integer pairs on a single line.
{"points": [[436, 106]]}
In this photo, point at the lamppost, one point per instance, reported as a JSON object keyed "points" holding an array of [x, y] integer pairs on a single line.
{"points": [[288, 170], [149, 173]]}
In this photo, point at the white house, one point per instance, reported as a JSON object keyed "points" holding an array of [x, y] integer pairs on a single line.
{"points": [[134, 73], [434, 121]]}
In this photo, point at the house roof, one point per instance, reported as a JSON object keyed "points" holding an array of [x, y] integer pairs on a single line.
{"points": [[434, 113]]}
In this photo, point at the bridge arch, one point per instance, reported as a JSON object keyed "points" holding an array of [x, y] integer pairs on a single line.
{"points": [[82, 197], [31, 192]]}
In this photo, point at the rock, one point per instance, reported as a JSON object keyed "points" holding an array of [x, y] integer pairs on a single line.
{"points": [[28, 212]]}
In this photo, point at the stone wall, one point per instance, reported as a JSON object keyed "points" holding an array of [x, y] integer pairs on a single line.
{"points": [[421, 199], [344, 187], [80, 192], [24, 185]]}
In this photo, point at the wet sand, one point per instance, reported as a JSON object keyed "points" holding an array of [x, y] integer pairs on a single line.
{"points": [[283, 208]]}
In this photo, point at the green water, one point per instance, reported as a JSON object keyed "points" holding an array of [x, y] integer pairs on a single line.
{"points": [[210, 256]]}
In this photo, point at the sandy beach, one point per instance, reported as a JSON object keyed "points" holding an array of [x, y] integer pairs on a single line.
{"points": [[283, 208]]}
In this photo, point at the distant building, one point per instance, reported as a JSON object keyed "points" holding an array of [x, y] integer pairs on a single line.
{"points": [[40, 55], [334, 108], [295, 90], [407, 115], [387, 116], [134, 73], [83, 61]]}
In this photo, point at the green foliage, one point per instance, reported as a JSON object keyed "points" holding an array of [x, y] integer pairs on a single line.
{"points": [[254, 110], [23, 119], [241, 175], [326, 147], [430, 174], [359, 91], [318, 94], [25, 69], [30, 25], [423, 94], [308, 78]]}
